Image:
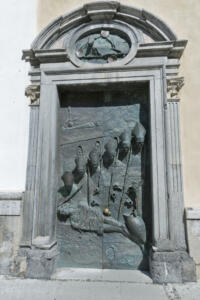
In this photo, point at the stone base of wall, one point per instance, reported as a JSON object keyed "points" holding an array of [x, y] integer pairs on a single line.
{"points": [[193, 236], [172, 267], [10, 232], [198, 272], [11, 229]]}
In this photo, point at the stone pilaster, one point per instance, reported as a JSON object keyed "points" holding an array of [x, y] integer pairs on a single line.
{"points": [[32, 91], [46, 170], [171, 262]]}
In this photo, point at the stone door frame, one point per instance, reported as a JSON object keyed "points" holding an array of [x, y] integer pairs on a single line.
{"points": [[157, 65], [44, 129]]}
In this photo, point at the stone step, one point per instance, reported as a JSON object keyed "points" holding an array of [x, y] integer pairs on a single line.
{"points": [[104, 275]]}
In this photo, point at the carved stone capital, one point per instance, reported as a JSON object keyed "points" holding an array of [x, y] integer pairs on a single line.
{"points": [[33, 91], [174, 85]]}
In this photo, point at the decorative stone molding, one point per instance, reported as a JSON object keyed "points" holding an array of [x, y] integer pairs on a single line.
{"points": [[163, 40], [33, 91], [29, 56], [36, 57], [10, 203], [130, 35], [102, 10], [174, 85], [106, 10], [173, 50]]}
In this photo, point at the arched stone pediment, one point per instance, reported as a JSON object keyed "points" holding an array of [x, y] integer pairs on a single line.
{"points": [[151, 27], [145, 34]]}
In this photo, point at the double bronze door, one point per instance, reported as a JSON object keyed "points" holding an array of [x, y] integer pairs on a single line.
{"points": [[103, 184]]}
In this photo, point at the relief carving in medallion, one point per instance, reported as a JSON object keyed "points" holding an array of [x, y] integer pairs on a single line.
{"points": [[102, 47]]}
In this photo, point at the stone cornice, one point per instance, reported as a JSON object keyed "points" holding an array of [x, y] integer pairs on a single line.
{"points": [[36, 57], [171, 50], [33, 92]]}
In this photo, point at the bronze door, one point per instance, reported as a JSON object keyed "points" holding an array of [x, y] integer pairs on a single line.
{"points": [[103, 205]]}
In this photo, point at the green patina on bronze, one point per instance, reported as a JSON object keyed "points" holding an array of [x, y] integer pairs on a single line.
{"points": [[102, 47], [103, 199]]}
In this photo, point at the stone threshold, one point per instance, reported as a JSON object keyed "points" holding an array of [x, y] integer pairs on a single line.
{"points": [[101, 275]]}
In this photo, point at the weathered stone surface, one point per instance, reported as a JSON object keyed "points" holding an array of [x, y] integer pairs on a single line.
{"points": [[193, 236], [40, 263], [11, 195], [6, 249], [190, 291], [109, 275], [198, 272], [165, 267], [192, 213], [10, 207], [172, 267], [188, 268], [73, 290], [10, 203], [193, 233], [10, 234], [19, 266]]}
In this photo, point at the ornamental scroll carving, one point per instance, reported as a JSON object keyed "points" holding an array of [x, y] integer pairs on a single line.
{"points": [[174, 85], [33, 92]]}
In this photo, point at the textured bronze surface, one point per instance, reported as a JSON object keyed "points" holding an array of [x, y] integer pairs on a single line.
{"points": [[103, 161]]}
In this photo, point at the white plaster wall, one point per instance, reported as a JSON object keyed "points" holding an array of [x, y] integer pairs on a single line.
{"points": [[17, 30]]}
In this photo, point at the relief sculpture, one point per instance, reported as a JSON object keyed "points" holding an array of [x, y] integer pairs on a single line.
{"points": [[99, 195], [103, 201], [102, 47]]}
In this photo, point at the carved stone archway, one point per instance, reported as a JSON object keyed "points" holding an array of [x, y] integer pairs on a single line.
{"points": [[153, 58]]}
